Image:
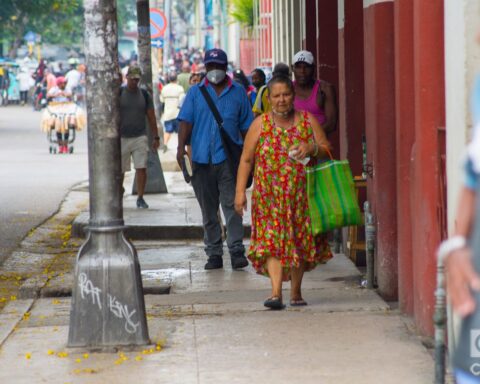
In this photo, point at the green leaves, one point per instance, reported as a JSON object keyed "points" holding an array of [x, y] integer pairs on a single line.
{"points": [[242, 11], [57, 21]]}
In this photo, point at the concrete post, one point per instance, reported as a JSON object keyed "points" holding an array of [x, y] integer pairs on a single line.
{"points": [[405, 136], [155, 180], [107, 300], [379, 67]]}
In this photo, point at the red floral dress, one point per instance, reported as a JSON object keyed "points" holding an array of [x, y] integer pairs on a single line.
{"points": [[280, 219]]}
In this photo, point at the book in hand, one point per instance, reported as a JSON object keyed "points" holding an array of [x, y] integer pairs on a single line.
{"points": [[187, 168]]}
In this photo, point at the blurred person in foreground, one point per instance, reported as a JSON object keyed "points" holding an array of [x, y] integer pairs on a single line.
{"points": [[461, 256], [282, 246]]}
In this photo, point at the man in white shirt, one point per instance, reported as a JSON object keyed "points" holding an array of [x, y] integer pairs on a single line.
{"points": [[170, 96], [73, 77]]}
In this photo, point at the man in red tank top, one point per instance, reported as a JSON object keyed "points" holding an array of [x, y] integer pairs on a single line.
{"points": [[315, 96]]}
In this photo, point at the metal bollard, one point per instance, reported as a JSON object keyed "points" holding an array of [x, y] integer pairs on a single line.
{"points": [[369, 244]]}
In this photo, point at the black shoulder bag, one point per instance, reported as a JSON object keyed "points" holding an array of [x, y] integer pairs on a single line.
{"points": [[233, 151]]}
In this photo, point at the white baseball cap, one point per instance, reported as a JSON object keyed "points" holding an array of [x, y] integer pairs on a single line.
{"points": [[303, 57]]}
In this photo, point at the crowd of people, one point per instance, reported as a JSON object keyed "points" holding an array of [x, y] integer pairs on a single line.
{"points": [[20, 84], [280, 122]]}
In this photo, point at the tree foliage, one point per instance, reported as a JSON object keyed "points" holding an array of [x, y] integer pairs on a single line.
{"points": [[126, 13], [242, 11], [57, 21], [185, 9]]}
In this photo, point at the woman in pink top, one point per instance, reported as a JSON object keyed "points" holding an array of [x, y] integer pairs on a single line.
{"points": [[314, 96]]}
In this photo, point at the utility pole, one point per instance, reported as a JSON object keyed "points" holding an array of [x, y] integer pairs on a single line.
{"points": [[166, 46], [155, 179], [108, 307]]}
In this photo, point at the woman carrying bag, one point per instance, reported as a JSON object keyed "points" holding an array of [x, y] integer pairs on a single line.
{"points": [[278, 145]]}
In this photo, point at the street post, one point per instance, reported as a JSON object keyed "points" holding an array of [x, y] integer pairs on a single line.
{"points": [[108, 308], [155, 180]]}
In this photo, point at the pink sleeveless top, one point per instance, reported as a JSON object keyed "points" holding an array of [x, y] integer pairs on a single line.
{"points": [[310, 104]]}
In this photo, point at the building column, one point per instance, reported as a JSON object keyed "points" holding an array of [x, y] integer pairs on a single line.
{"points": [[429, 146], [380, 133], [351, 89], [405, 136], [327, 51]]}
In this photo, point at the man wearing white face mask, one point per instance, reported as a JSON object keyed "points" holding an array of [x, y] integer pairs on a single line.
{"points": [[213, 180]]}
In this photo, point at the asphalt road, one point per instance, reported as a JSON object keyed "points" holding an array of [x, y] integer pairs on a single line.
{"points": [[33, 182]]}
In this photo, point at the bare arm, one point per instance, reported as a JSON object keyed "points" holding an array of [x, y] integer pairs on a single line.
{"points": [[461, 276], [330, 107], [184, 132], [152, 122], [246, 164], [319, 148]]}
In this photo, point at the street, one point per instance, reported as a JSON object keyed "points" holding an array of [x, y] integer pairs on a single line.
{"points": [[34, 182]]}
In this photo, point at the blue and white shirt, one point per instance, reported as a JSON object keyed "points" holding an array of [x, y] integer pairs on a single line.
{"points": [[235, 110]]}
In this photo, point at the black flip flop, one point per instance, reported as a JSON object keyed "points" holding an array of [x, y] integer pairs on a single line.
{"points": [[298, 303], [274, 303]]}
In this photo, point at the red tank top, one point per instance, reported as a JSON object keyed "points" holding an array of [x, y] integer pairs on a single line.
{"points": [[310, 104]]}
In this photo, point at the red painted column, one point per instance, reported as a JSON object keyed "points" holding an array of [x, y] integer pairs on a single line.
{"points": [[310, 42], [429, 117], [380, 132], [405, 136], [327, 51], [351, 93]]}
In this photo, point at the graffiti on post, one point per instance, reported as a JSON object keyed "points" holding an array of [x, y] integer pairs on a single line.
{"points": [[121, 311], [88, 291]]}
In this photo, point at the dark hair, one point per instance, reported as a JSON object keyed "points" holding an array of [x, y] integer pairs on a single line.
{"points": [[172, 76], [281, 69], [239, 77], [280, 79], [260, 73]]}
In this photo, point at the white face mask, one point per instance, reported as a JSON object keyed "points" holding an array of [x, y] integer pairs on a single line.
{"points": [[216, 76]]}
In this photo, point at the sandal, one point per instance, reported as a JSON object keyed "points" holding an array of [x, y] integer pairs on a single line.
{"points": [[298, 302], [274, 302]]}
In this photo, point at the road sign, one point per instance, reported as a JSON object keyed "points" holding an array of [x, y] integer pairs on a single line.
{"points": [[29, 37], [157, 43], [158, 23]]}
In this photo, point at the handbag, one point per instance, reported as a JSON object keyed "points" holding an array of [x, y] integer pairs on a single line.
{"points": [[332, 199], [233, 151]]}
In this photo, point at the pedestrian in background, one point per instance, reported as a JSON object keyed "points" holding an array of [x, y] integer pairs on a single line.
{"points": [[262, 102], [314, 96], [281, 245], [136, 105], [26, 82], [171, 95], [184, 76], [213, 180], [258, 81]]}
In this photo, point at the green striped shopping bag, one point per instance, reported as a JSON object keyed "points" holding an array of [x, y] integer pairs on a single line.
{"points": [[332, 199]]}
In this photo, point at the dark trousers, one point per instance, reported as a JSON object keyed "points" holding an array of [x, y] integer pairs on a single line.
{"points": [[24, 96], [214, 185]]}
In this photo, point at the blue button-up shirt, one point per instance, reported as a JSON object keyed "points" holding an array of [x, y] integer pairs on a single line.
{"points": [[236, 113]]}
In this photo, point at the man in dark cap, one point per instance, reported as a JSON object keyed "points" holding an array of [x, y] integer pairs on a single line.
{"points": [[135, 105], [213, 179]]}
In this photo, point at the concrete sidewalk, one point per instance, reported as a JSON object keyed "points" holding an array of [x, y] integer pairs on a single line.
{"points": [[211, 327]]}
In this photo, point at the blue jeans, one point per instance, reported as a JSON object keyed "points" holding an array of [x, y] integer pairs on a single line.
{"points": [[214, 185], [171, 126]]}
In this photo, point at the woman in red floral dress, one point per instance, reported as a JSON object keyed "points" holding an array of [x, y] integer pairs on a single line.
{"points": [[282, 245]]}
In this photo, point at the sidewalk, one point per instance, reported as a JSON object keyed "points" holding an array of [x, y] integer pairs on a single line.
{"points": [[211, 327]]}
